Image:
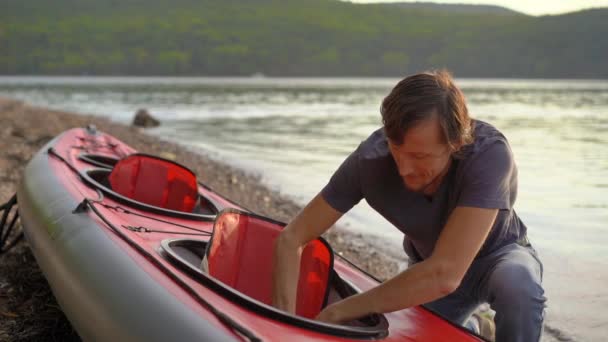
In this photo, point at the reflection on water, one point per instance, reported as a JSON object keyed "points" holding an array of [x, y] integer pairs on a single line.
{"points": [[295, 132]]}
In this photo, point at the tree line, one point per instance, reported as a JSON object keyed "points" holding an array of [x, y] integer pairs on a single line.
{"points": [[294, 38]]}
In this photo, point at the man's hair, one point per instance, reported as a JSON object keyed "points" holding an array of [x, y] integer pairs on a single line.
{"points": [[420, 97]]}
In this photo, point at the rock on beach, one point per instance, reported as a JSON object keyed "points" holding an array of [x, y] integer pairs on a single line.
{"points": [[144, 119]]}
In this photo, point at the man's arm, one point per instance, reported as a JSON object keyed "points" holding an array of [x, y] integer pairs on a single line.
{"points": [[439, 275], [309, 224]]}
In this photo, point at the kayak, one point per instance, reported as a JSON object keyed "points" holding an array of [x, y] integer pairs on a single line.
{"points": [[135, 248]]}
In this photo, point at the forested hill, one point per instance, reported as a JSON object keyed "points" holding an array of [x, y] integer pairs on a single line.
{"points": [[295, 38]]}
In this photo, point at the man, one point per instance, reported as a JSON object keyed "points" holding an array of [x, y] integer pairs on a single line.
{"points": [[449, 184]]}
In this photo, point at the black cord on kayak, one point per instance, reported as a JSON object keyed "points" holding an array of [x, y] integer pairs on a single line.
{"points": [[120, 209], [142, 229], [227, 320], [54, 153], [96, 144], [5, 230]]}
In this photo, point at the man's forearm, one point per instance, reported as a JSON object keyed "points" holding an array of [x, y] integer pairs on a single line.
{"points": [[285, 277], [419, 284], [310, 223], [437, 276]]}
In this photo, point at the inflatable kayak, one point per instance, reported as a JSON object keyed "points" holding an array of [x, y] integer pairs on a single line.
{"points": [[136, 249]]}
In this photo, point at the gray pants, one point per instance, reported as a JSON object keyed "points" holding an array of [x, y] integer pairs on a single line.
{"points": [[509, 279]]}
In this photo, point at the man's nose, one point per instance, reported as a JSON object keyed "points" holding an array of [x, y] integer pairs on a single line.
{"points": [[405, 167]]}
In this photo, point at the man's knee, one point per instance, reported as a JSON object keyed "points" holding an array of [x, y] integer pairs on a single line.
{"points": [[516, 288], [517, 296]]}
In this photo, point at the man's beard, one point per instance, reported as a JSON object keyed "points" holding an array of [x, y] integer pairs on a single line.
{"points": [[437, 179]]}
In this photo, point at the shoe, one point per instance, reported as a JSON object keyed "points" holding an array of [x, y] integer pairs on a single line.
{"points": [[485, 323]]}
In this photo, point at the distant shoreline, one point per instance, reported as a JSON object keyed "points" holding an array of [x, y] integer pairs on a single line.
{"points": [[255, 79]]}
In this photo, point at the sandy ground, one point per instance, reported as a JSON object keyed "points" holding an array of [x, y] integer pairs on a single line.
{"points": [[28, 310]]}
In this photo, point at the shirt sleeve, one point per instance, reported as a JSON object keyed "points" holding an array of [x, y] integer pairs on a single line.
{"points": [[489, 179], [344, 188]]}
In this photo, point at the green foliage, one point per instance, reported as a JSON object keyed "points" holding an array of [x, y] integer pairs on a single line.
{"points": [[295, 38]]}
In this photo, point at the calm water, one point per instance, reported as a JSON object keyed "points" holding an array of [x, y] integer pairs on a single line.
{"points": [[295, 132]]}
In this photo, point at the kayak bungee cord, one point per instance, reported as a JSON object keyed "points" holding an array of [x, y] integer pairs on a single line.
{"points": [[95, 144], [142, 229], [139, 229], [5, 230], [51, 151], [120, 209], [222, 317], [86, 148]]}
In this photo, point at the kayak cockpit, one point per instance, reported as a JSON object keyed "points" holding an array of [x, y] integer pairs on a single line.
{"points": [[243, 275], [204, 208]]}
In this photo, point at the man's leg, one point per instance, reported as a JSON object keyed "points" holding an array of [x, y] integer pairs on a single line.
{"points": [[513, 288], [455, 307]]}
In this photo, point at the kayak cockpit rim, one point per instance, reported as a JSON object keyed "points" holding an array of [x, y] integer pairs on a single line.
{"points": [[97, 178], [186, 254], [108, 162], [99, 160]]}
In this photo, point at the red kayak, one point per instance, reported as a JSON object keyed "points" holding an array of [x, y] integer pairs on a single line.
{"points": [[135, 248]]}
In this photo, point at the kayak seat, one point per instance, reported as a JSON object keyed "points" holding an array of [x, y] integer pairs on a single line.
{"points": [[155, 181], [240, 254]]}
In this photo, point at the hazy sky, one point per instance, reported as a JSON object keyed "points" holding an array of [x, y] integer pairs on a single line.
{"points": [[532, 7]]}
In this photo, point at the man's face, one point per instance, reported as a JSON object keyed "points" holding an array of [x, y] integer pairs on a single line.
{"points": [[423, 156]]}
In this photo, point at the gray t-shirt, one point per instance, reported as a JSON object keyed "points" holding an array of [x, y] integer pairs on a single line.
{"points": [[484, 175]]}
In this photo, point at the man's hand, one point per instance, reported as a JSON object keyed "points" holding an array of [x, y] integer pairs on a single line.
{"points": [[346, 310], [330, 314]]}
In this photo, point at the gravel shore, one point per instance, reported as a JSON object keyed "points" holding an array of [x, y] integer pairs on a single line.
{"points": [[28, 310]]}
